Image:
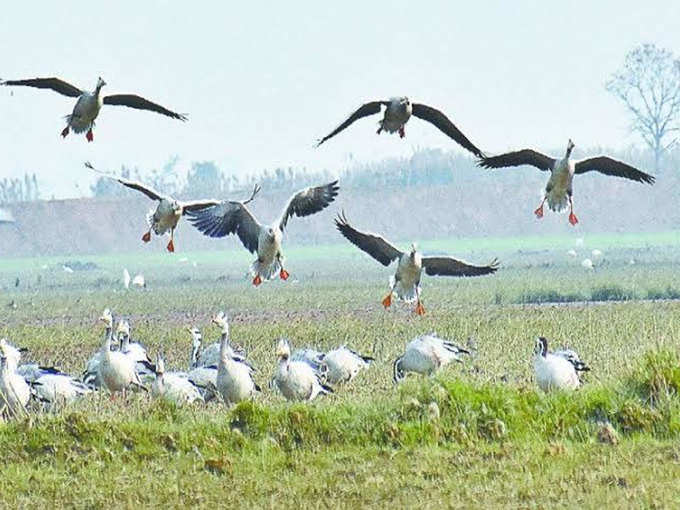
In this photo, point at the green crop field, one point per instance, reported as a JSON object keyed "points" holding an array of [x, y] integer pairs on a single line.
{"points": [[478, 434]]}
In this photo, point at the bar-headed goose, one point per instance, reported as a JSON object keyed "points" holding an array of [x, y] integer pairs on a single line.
{"points": [[572, 357], [398, 111], [559, 189], [116, 370], [343, 364], [174, 387], [209, 356], [55, 387], [553, 372], [14, 390], [406, 280], [265, 240], [296, 380], [234, 377], [165, 217], [135, 351], [425, 355], [89, 104]]}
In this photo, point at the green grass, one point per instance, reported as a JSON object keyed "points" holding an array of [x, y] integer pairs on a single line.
{"points": [[478, 434]]}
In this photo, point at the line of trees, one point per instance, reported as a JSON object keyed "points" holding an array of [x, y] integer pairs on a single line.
{"points": [[19, 189]]}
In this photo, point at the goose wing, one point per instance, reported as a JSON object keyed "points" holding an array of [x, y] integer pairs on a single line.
{"points": [[309, 201], [373, 244], [609, 166], [139, 103], [197, 205], [136, 185], [228, 217], [448, 266], [442, 122], [363, 111], [517, 158], [53, 83]]}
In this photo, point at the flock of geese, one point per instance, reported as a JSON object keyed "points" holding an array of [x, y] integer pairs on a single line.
{"points": [[220, 371]]}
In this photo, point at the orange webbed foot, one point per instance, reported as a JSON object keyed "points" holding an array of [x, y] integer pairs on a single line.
{"points": [[171, 246], [146, 237], [539, 212], [284, 274], [257, 280], [420, 309], [573, 219], [387, 302], [89, 136]]}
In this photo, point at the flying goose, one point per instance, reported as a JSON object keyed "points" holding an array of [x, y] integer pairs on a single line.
{"points": [[234, 377], [174, 387], [168, 212], [296, 380], [406, 281], [553, 371], [88, 105], [231, 217], [14, 390], [425, 355], [116, 370], [398, 111], [559, 190], [343, 364]]}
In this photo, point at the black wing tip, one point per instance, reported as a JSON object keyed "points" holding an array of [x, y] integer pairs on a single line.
{"points": [[181, 116]]}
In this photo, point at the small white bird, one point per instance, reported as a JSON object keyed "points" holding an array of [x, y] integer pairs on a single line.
{"points": [[425, 355], [14, 390], [116, 370], [587, 264], [174, 387], [234, 378], [343, 365], [67, 269], [139, 281], [553, 372], [296, 379], [596, 253], [572, 253], [126, 279]]}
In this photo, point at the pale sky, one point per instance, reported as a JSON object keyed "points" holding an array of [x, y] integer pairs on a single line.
{"points": [[261, 82]]}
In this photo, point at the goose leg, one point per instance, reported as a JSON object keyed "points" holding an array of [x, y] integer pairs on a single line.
{"points": [[402, 132], [257, 280], [539, 212], [387, 301], [283, 274], [89, 135], [65, 132], [147, 236], [171, 244], [420, 309], [572, 217]]}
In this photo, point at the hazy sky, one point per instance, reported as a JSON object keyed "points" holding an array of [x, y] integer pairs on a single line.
{"points": [[262, 82]]}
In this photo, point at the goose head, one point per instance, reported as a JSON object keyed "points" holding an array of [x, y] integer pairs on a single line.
{"points": [[270, 233], [196, 336], [100, 83], [283, 350], [541, 347], [107, 318], [414, 250], [221, 321], [570, 147], [160, 365], [398, 373]]}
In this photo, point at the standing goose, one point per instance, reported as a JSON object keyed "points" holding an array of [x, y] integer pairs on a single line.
{"points": [[425, 355], [174, 387], [234, 217], [116, 370], [296, 379], [14, 390], [55, 387], [559, 190], [210, 356], [168, 212], [343, 364], [406, 281], [234, 378], [553, 372], [398, 111], [136, 352], [88, 105]]}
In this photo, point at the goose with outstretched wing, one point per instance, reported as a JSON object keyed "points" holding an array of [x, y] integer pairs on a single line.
{"points": [[264, 240], [89, 103], [559, 189], [406, 280], [398, 111], [165, 217]]}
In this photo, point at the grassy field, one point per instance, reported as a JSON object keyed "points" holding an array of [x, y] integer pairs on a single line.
{"points": [[478, 434]]}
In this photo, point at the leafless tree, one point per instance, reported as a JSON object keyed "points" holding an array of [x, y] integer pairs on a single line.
{"points": [[648, 84]]}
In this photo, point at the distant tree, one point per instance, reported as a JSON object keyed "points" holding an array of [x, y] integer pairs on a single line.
{"points": [[19, 190], [165, 180], [107, 188], [204, 180], [648, 84]]}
